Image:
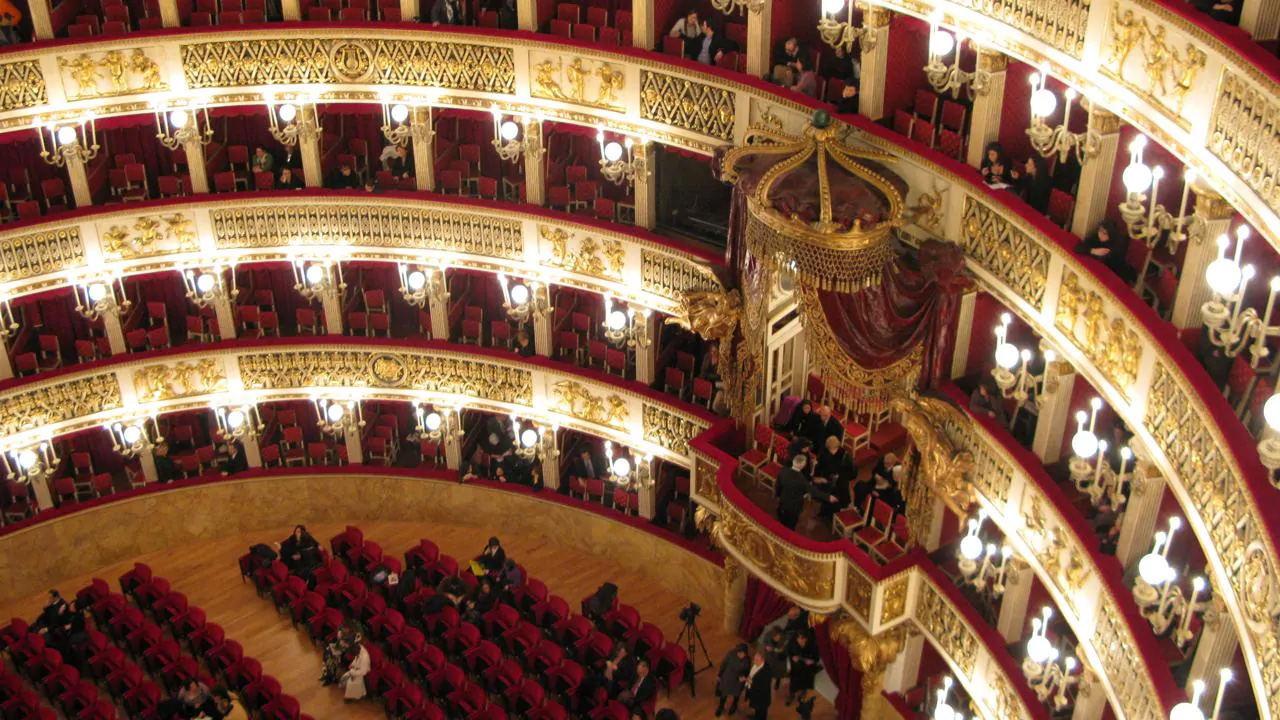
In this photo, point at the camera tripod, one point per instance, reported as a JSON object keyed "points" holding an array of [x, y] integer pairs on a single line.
{"points": [[692, 637]]}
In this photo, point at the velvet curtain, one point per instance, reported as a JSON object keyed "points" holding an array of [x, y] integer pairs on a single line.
{"points": [[839, 666], [914, 303], [762, 606]]}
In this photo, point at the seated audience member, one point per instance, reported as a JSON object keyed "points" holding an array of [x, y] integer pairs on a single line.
{"points": [[600, 602], [832, 460], [710, 368], [195, 698], [1109, 246], [987, 400], [803, 663], [846, 67], [485, 597], [1106, 523], [290, 179], [352, 681], [799, 418], [491, 558], [55, 616], [995, 165], [500, 474], [512, 577], [10, 16], [508, 15], [300, 552], [642, 688], [370, 186], [619, 670], [709, 48], [804, 80], [345, 179], [1033, 183], [166, 468], [801, 445], [233, 460], [586, 466], [524, 344], [262, 161], [446, 12], [225, 707], [336, 656], [882, 475], [535, 477], [1226, 11], [848, 102], [291, 159], [886, 490], [688, 28], [786, 61], [822, 426], [401, 164]]}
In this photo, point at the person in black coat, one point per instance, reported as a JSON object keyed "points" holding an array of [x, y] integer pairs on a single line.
{"points": [[804, 667], [792, 488], [289, 179], [821, 426], [732, 678], [1110, 247], [600, 603], [300, 551], [345, 179], [799, 416], [1033, 183], [493, 557], [401, 164], [166, 469], [995, 165], [619, 670], [709, 48], [641, 690], [235, 461], [586, 466], [524, 346], [759, 687]]}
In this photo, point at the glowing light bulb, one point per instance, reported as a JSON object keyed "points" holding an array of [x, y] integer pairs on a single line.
{"points": [[315, 274], [831, 7], [1007, 356], [235, 419], [509, 130], [1271, 412], [529, 437], [288, 112], [27, 459], [132, 434], [612, 151], [399, 112], [1137, 177], [205, 283], [66, 135], [417, 280], [617, 320], [433, 421], [622, 467], [1154, 568], [519, 294], [97, 291], [942, 43], [335, 412], [1043, 103], [971, 547]]}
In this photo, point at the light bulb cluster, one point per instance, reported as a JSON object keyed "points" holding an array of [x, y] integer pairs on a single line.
{"points": [[843, 34], [626, 470], [1012, 370], [1059, 140], [99, 297], [404, 120], [318, 279], [338, 417], [135, 436], [521, 301], [625, 326], [33, 464], [206, 287], [1153, 223], [619, 162], [1090, 470], [950, 78], [514, 139], [983, 565], [178, 126], [1050, 674], [73, 142], [1160, 599], [422, 282], [533, 442]]}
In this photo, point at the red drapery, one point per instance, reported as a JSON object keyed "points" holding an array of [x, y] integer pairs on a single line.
{"points": [[839, 666], [762, 606], [914, 303]]}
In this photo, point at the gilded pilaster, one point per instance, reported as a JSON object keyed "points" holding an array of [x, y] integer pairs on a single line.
{"points": [[759, 47], [871, 655], [875, 62], [424, 154], [1054, 406], [196, 168], [735, 594], [1096, 174]]}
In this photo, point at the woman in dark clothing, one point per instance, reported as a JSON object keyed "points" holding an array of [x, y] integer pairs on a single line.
{"points": [[1109, 246], [299, 551], [1033, 184], [492, 557], [799, 417], [832, 459], [601, 602], [995, 165], [805, 665], [831, 478], [486, 598]]}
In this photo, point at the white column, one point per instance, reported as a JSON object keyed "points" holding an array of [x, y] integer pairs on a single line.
{"points": [[964, 334], [44, 497], [647, 501], [1215, 648], [6, 366], [1193, 290], [644, 30], [331, 306], [984, 123], [292, 9], [551, 471], [309, 148], [646, 187], [1096, 174], [535, 174], [543, 324], [438, 306], [759, 47], [904, 673], [452, 446], [196, 163], [226, 317], [41, 20], [1091, 698], [1012, 623], [647, 357], [527, 10], [355, 454], [147, 460], [875, 63], [115, 332], [1055, 412], [79, 177], [169, 14], [409, 10], [424, 148], [1261, 19], [1141, 511], [252, 451]]}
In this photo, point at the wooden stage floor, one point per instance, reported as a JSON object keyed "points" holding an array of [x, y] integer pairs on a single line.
{"points": [[208, 574]]}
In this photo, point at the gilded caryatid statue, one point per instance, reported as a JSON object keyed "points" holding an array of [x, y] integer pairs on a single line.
{"points": [[941, 469], [712, 315]]}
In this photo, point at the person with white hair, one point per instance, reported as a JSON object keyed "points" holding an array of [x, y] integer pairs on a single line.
{"points": [[353, 686]]}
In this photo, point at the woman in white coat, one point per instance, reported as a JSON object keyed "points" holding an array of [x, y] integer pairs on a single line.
{"points": [[353, 679]]}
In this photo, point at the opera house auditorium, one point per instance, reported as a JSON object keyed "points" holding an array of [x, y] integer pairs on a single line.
{"points": [[639, 359]]}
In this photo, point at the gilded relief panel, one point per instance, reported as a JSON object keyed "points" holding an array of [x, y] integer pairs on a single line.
{"points": [[56, 402], [1003, 249], [671, 430], [602, 258], [303, 60], [111, 73], [575, 399], [148, 235], [376, 226], [183, 379], [594, 83], [1059, 23], [802, 576], [1113, 346], [47, 251], [673, 276], [938, 618], [1141, 51], [1245, 135], [22, 85], [687, 104]]}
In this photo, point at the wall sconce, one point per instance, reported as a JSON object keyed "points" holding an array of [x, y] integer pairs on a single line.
{"points": [[842, 35], [1191, 710], [534, 442], [401, 122], [1159, 599], [1060, 141], [338, 417], [613, 166], [1046, 676], [729, 7], [1011, 372], [318, 278], [8, 321], [522, 301], [420, 282], [178, 126], [33, 464], [627, 327], [292, 121], [98, 298], [66, 142], [512, 139], [623, 472], [950, 78], [1269, 444], [206, 288], [133, 439], [1232, 327], [1154, 223], [942, 710], [238, 422], [433, 425]]}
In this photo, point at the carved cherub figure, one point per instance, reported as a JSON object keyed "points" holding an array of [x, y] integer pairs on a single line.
{"points": [[115, 63], [84, 71]]}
